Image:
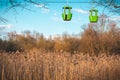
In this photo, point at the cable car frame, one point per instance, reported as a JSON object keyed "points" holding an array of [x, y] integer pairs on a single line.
{"points": [[67, 15], [93, 17]]}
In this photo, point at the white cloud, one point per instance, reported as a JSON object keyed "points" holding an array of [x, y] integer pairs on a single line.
{"points": [[45, 10], [81, 11], [55, 14], [6, 26], [56, 17], [9, 26], [41, 6], [114, 18]]}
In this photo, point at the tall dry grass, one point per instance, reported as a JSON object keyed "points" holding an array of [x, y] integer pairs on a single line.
{"points": [[42, 65]]}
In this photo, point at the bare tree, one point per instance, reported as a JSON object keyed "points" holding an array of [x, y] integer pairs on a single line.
{"points": [[112, 5], [23, 4]]}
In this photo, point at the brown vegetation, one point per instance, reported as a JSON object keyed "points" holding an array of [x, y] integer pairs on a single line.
{"points": [[93, 55], [42, 65], [93, 40]]}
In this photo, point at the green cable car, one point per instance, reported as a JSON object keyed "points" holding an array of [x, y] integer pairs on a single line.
{"points": [[93, 15], [67, 15]]}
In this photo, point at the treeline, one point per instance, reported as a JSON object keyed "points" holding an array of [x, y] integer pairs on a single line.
{"points": [[92, 40]]}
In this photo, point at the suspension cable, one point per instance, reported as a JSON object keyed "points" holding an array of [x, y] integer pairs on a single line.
{"points": [[93, 3], [67, 2]]}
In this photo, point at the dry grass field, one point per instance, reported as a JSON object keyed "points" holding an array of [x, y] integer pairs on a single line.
{"points": [[42, 65]]}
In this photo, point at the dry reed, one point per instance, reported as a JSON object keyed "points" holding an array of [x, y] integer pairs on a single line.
{"points": [[41, 65]]}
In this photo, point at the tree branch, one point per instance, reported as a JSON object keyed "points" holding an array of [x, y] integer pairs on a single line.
{"points": [[116, 6], [3, 19]]}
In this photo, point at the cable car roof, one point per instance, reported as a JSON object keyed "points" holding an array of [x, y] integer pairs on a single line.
{"points": [[67, 7], [93, 10]]}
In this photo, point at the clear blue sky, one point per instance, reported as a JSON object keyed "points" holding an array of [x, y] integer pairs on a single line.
{"points": [[48, 21]]}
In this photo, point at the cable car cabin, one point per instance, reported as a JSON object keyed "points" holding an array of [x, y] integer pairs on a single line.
{"points": [[67, 15], [93, 15]]}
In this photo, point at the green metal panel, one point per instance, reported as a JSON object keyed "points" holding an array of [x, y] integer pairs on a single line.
{"points": [[93, 15], [93, 18], [67, 15]]}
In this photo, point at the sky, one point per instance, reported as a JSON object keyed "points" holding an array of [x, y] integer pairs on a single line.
{"points": [[47, 20]]}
